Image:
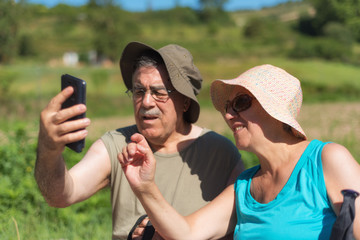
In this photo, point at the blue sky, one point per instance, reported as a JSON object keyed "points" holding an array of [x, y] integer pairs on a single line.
{"points": [[142, 5]]}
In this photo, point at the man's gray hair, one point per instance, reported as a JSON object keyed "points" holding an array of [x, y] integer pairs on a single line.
{"points": [[148, 59]]}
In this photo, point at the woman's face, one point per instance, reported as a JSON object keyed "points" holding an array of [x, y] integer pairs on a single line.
{"points": [[249, 122]]}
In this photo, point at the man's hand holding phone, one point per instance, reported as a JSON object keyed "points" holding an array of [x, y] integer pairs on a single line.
{"points": [[78, 97], [59, 126]]}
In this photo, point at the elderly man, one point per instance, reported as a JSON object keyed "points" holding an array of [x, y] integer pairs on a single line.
{"points": [[193, 164]]}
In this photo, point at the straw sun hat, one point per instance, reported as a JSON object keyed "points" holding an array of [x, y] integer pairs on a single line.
{"points": [[278, 92]]}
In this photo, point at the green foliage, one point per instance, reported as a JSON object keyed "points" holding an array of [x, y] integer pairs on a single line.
{"points": [[307, 26], [7, 79], [23, 205], [354, 26], [112, 29], [339, 32], [26, 46], [344, 12], [254, 28], [176, 16], [212, 4], [326, 48], [66, 17], [316, 92], [209, 15], [16, 168], [8, 29], [267, 31], [104, 28]]}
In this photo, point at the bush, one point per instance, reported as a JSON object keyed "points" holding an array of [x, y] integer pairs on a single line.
{"points": [[354, 26], [306, 25], [26, 46], [9, 24], [316, 92], [338, 32], [24, 212], [325, 48], [7, 79], [254, 28], [266, 30], [16, 168]]}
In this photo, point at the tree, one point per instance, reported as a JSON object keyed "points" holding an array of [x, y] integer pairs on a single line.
{"points": [[346, 12], [212, 11], [212, 4], [8, 29], [111, 26]]}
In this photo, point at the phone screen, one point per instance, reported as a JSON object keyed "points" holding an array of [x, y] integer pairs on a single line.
{"points": [[79, 96]]}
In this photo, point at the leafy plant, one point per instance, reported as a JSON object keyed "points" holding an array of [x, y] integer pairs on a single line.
{"points": [[23, 211]]}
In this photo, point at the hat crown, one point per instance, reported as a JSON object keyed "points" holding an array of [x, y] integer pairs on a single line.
{"points": [[180, 61], [275, 82]]}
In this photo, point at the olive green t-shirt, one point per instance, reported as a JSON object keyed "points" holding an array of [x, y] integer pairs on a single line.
{"points": [[187, 179]]}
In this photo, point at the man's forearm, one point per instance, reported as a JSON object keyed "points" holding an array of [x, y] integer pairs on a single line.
{"points": [[52, 178]]}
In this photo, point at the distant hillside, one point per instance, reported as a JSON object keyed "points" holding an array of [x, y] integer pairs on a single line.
{"points": [[51, 32], [290, 11]]}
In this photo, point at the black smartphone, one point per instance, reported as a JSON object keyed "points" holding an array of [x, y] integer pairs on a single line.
{"points": [[79, 96]]}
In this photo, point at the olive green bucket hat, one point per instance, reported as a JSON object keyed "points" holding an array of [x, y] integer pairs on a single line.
{"points": [[184, 75]]}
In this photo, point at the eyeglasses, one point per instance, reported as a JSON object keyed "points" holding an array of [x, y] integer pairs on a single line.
{"points": [[158, 94], [239, 103]]}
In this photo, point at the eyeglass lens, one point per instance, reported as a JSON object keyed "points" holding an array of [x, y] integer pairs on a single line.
{"points": [[159, 94], [239, 103]]}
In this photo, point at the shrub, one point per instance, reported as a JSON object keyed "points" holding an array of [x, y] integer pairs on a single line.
{"points": [[16, 168], [26, 46], [266, 30], [306, 25], [325, 48], [7, 79], [338, 32], [354, 26], [24, 212]]}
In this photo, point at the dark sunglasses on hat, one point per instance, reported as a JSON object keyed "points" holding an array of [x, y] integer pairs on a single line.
{"points": [[240, 103]]}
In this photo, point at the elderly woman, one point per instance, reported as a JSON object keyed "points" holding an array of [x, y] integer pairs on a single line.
{"points": [[294, 192]]}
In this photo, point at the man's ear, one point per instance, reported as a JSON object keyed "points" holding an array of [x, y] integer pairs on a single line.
{"points": [[187, 102]]}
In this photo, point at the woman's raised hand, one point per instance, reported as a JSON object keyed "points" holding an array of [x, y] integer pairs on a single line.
{"points": [[138, 163]]}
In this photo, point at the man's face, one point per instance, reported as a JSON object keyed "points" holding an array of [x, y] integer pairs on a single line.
{"points": [[156, 120]]}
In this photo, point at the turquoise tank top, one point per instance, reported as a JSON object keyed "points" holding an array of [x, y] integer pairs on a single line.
{"points": [[301, 210]]}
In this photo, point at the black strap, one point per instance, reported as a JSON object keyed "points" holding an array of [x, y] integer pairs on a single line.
{"points": [[343, 226], [148, 232]]}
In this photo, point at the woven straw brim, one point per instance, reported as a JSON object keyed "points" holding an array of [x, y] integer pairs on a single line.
{"points": [[221, 90]]}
